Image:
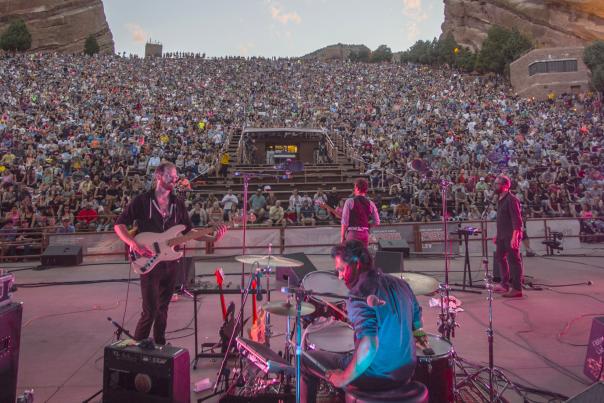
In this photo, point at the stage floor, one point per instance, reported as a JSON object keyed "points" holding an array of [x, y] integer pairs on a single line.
{"points": [[65, 328]]}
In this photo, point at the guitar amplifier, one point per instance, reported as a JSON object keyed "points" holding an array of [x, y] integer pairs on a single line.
{"points": [[10, 337], [394, 245], [295, 274], [135, 375]]}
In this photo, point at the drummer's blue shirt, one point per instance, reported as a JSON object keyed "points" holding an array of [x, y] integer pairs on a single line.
{"points": [[393, 324]]}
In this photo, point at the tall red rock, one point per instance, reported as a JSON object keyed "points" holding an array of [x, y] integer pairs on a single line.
{"points": [[60, 25], [548, 23]]}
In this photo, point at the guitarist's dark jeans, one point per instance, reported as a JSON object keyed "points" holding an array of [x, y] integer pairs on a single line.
{"points": [[157, 288]]}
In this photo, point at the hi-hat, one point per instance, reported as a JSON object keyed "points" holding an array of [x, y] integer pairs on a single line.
{"points": [[287, 308], [268, 260], [420, 283]]}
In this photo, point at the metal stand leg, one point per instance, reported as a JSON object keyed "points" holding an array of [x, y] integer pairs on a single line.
{"points": [[494, 374]]}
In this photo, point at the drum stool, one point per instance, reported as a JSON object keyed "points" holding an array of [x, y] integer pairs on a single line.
{"points": [[412, 392]]}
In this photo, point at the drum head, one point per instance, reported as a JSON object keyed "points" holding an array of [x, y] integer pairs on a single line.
{"points": [[325, 281], [335, 337], [441, 347]]}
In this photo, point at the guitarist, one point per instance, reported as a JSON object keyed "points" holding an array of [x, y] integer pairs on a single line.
{"points": [[157, 211], [357, 214]]}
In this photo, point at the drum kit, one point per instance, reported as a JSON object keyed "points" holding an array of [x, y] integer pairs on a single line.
{"points": [[318, 310]]}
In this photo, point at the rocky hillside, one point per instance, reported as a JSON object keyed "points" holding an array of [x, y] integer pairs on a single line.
{"points": [[59, 25], [336, 52], [547, 22]]}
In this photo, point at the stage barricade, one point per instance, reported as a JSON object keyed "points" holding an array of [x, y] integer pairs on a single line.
{"points": [[422, 238]]}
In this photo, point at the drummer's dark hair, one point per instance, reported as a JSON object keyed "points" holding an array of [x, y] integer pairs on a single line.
{"points": [[352, 252]]}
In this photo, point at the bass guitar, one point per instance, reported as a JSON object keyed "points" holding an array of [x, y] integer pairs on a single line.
{"points": [[163, 246]]}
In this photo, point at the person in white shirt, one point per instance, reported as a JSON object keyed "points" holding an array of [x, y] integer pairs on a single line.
{"points": [[227, 201]]}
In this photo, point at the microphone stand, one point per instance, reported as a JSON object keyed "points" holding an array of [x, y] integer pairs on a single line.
{"points": [[494, 373]]}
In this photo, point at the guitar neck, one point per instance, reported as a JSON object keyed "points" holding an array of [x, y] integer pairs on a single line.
{"points": [[188, 236]]}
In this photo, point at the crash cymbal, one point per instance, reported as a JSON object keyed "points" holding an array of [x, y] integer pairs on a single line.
{"points": [[268, 260], [287, 309], [420, 283]]}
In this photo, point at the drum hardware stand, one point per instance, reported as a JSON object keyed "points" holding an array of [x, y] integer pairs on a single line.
{"points": [[464, 235], [494, 373]]}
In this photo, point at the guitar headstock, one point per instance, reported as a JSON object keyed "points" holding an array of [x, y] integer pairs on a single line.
{"points": [[219, 273]]}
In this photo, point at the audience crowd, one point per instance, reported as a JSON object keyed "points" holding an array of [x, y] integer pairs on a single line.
{"points": [[80, 136]]}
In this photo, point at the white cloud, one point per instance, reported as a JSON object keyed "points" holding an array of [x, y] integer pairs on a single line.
{"points": [[284, 18], [412, 6], [414, 9], [137, 33], [412, 31], [245, 48]]}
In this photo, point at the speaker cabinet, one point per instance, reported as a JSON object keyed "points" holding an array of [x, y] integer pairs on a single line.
{"points": [[10, 337], [134, 375], [394, 245], [295, 274], [389, 262], [594, 359], [186, 272], [62, 255]]}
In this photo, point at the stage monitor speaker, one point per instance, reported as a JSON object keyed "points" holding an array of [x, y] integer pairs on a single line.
{"points": [[394, 245], [186, 272], [10, 337], [389, 262], [62, 255], [135, 375], [295, 274], [593, 394], [594, 358]]}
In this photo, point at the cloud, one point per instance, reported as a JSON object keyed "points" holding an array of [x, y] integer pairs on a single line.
{"points": [[245, 48], [412, 31], [284, 18], [412, 6], [137, 33]]}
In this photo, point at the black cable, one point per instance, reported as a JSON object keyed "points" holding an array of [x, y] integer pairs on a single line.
{"points": [[79, 282], [576, 293], [20, 269], [527, 321], [575, 261], [559, 285], [185, 327], [127, 296], [530, 349]]}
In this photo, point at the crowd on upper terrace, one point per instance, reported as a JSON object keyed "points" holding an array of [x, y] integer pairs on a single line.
{"points": [[81, 135]]}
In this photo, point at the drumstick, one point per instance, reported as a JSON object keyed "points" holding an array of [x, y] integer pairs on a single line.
{"points": [[314, 361], [335, 308]]}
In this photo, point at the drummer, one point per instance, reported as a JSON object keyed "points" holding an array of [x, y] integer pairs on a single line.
{"points": [[385, 336]]}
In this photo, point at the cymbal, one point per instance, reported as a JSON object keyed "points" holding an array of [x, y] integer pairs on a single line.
{"points": [[288, 309], [420, 283], [269, 260]]}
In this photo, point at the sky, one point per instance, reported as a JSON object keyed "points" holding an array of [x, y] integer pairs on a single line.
{"points": [[285, 28]]}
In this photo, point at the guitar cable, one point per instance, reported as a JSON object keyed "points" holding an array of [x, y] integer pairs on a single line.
{"points": [[127, 293]]}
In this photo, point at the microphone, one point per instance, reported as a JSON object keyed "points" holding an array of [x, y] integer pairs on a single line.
{"points": [[374, 300], [258, 286]]}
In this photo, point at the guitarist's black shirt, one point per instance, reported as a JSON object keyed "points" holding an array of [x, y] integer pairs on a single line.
{"points": [[142, 210]]}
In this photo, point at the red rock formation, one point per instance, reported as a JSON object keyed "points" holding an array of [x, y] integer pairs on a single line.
{"points": [[59, 25], [548, 23]]}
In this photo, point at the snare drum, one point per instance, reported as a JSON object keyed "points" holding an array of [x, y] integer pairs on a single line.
{"points": [[437, 371], [330, 336]]}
